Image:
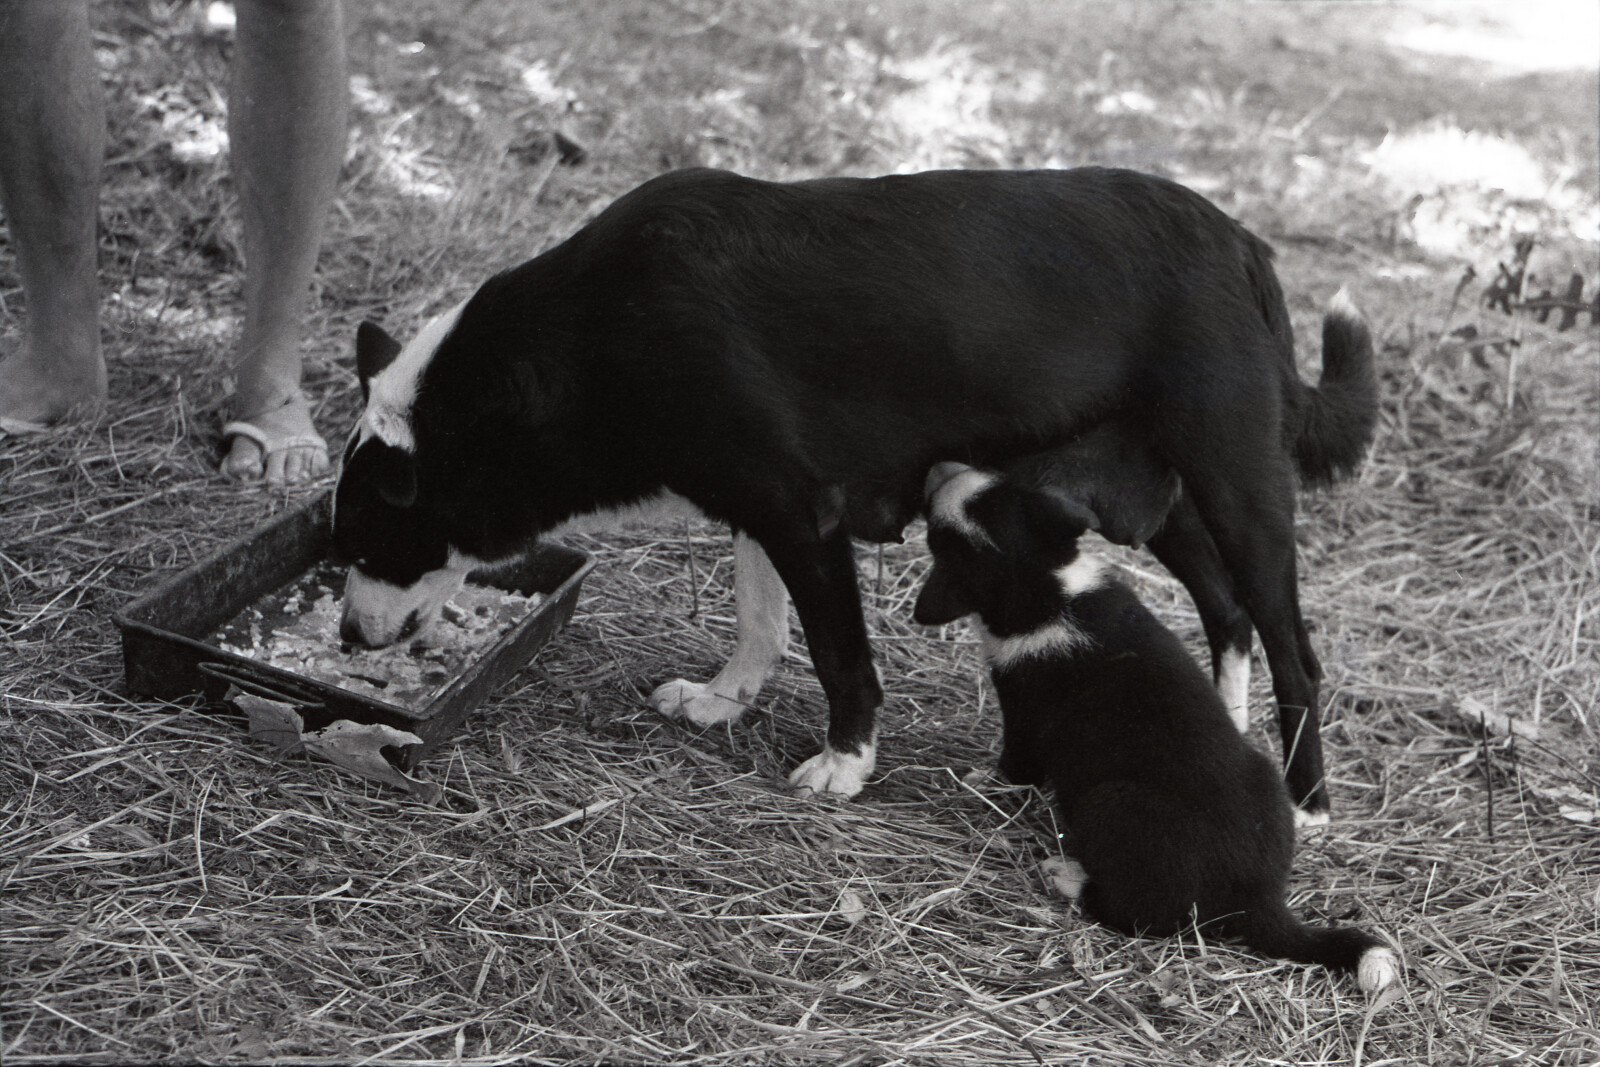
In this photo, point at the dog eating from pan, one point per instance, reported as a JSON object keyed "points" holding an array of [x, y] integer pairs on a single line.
{"points": [[793, 358]]}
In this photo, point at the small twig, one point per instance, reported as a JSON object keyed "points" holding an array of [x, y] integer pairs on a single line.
{"points": [[1450, 314], [1488, 782], [694, 577]]}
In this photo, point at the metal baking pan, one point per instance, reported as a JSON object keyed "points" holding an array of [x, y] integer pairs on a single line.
{"points": [[166, 649]]}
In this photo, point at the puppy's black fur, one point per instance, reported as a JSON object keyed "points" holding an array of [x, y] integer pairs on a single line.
{"points": [[792, 358], [1174, 817]]}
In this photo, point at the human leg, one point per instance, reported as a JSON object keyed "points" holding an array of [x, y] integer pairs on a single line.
{"points": [[52, 148], [287, 123]]}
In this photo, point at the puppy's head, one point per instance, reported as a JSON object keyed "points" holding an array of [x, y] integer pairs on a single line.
{"points": [[996, 547]]}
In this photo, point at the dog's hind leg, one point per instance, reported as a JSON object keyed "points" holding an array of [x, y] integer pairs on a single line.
{"points": [[1186, 549], [762, 604], [1247, 504]]}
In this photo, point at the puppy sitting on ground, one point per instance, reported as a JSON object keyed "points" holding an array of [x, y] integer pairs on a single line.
{"points": [[1173, 816]]}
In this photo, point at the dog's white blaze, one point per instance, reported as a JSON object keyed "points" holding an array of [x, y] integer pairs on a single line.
{"points": [[949, 503], [1378, 970], [1233, 684], [660, 507], [379, 609], [832, 771], [1083, 574], [1058, 638], [393, 390]]}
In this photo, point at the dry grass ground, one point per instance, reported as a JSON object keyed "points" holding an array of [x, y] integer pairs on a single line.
{"points": [[599, 884]]}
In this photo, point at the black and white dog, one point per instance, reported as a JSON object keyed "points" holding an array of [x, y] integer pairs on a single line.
{"points": [[1173, 816], [793, 358]]}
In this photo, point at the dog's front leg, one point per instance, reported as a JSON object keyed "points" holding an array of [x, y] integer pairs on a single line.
{"points": [[821, 577], [762, 605]]}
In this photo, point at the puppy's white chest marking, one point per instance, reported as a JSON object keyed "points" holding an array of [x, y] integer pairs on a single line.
{"points": [[1084, 574], [1059, 638]]}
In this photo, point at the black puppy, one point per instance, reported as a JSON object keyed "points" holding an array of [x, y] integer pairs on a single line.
{"points": [[1173, 816]]}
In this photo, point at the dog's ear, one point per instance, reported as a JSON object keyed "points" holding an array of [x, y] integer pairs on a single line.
{"points": [[375, 350], [394, 475], [940, 601]]}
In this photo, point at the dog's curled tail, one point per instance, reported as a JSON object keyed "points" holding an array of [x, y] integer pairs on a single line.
{"points": [[1337, 416], [1270, 929]]}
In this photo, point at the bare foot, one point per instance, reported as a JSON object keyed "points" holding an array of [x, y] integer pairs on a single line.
{"points": [[280, 447], [36, 393]]}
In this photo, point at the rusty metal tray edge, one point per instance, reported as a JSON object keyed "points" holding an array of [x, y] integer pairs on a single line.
{"points": [[161, 661]]}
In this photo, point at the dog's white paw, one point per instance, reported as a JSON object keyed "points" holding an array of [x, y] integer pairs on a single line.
{"points": [[695, 702], [1063, 877], [832, 771], [1378, 970], [1304, 818]]}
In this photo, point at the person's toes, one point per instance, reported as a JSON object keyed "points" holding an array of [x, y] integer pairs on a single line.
{"points": [[243, 462], [280, 446], [302, 465], [277, 463]]}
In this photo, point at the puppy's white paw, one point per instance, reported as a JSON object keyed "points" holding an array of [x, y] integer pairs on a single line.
{"points": [[1378, 970], [1304, 818], [832, 771], [1063, 877], [695, 702]]}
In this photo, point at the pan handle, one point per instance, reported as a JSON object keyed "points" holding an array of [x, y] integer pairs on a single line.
{"points": [[262, 684]]}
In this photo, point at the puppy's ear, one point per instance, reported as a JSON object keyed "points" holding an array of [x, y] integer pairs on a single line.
{"points": [[375, 350], [940, 601], [394, 475], [1060, 512]]}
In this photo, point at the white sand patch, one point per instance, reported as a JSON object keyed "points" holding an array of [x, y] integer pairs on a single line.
{"points": [[1518, 36]]}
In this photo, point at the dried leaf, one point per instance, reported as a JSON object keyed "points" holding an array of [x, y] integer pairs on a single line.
{"points": [[273, 721], [357, 747], [1572, 803], [852, 983]]}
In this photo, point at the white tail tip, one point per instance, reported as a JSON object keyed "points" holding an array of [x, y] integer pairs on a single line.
{"points": [[1378, 970], [1343, 306]]}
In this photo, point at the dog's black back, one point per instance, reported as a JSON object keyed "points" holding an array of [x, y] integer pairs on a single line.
{"points": [[1173, 815], [841, 313]]}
